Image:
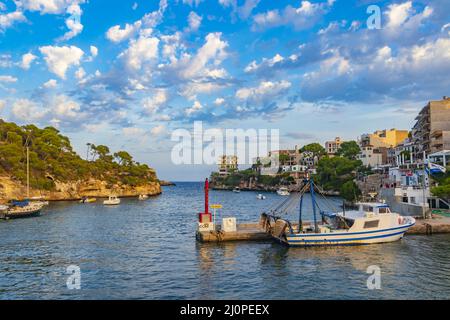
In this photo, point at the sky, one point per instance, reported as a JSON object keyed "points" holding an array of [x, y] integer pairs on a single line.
{"points": [[128, 73]]}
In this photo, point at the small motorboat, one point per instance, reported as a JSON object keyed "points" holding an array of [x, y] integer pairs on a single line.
{"points": [[237, 190], [283, 191], [112, 201], [261, 197], [143, 197], [88, 200]]}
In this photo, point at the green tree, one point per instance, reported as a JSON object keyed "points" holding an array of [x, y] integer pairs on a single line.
{"points": [[315, 148], [124, 158], [350, 191], [349, 149], [332, 173]]}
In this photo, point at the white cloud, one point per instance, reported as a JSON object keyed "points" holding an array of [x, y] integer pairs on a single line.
{"points": [[47, 6], [141, 51], [194, 21], [63, 108], [158, 130], [80, 73], [243, 11], [197, 66], [133, 132], [411, 72], [2, 6], [152, 105], [402, 18], [135, 6], [60, 59], [398, 13], [300, 18], [219, 101], [197, 106], [50, 84], [266, 89], [2, 104], [117, 34], [8, 19], [143, 26], [94, 51], [253, 66], [8, 79], [27, 110], [27, 60], [73, 22], [5, 61]]}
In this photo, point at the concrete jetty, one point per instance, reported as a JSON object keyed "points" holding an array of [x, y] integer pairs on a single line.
{"points": [[244, 232], [255, 231], [436, 225]]}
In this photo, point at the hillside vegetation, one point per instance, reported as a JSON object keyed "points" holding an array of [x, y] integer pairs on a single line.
{"points": [[52, 159]]}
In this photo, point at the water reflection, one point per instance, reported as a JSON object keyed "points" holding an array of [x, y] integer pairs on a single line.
{"points": [[147, 250]]}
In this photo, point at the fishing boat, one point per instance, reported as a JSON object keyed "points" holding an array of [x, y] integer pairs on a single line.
{"points": [[112, 201], [261, 197], [370, 223], [88, 200], [237, 190], [143, 197], [283, 191], [23, 209]]}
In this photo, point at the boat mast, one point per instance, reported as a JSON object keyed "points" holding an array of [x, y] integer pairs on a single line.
{"points": [[300, 221], [313, 198], [28, 172]]}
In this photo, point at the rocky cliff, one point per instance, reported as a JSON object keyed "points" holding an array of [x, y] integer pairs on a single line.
{"points": [[13, 189]]}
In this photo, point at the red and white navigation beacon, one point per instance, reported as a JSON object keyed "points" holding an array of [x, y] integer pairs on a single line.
{"points": [[205, 222]]}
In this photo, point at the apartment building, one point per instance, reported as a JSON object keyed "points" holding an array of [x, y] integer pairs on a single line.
{"points": [[384, 138], [227, 165], [431, 132], [332, 147]]}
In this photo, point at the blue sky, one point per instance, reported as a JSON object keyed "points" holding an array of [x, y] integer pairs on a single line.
{"points": [[127, 73]]}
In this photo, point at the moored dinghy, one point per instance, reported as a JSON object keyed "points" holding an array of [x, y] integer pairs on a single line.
{"points": [[143, 197], [112, 201], [283, 191]]}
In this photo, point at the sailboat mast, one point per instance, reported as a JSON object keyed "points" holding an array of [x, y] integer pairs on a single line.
{"points": [[28, 172]]}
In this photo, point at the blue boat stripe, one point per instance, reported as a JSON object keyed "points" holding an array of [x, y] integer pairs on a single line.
{"points": [[351, 239], [347, 233]]}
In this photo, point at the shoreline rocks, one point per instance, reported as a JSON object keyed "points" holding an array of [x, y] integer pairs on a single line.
{"points": [[75, 190]]}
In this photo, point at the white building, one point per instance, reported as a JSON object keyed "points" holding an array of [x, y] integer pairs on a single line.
{"points": [[370, 157]]}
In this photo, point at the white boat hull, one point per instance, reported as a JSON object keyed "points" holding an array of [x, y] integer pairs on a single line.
{"points": [[348, 238], [111, 202]]}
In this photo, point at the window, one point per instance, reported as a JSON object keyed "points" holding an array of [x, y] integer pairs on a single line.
{"points": [[383, 210], [368, 209], [371, 224]]}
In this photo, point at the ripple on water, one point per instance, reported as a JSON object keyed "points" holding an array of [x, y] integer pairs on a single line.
{"points": [[147, 250]]}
